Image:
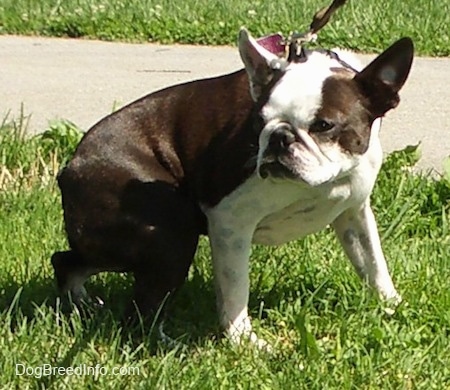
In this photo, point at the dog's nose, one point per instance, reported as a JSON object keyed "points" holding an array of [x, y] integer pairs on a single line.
{"points": [[280, 139]]}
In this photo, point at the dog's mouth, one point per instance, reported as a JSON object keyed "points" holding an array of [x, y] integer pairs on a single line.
{"points": [[298, 164], [292, 154], [281, 157], [276, 169]]}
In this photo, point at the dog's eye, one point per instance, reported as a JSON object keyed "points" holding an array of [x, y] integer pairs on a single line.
{"points": [[320, 126]]}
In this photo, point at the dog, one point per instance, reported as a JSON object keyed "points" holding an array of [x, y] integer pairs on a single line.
{"points": [[267, 154]]}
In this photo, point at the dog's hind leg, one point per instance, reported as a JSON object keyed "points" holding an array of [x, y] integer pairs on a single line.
{"points": [[157, 241], [71, 274], [157, 281]]}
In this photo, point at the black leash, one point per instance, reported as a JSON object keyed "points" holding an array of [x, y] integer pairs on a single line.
{"points": [[322, 17], [296, 41]]}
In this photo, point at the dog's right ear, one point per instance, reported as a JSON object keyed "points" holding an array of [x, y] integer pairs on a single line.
{"points": [[260, 63]]}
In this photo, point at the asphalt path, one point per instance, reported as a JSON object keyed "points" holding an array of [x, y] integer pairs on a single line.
{"points": [[82, 81]]}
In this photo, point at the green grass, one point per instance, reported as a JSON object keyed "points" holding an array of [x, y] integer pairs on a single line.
{"points": [[364, 25], [328, 330]]}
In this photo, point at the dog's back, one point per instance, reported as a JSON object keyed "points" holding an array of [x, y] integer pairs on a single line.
{"points": [[129, 193]]}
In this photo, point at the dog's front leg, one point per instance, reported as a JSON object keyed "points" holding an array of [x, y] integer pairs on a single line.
{"points": [[231, 248], [358, 234]]}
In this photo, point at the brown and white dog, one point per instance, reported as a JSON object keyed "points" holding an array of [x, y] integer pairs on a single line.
{"points": [[264, 155]]}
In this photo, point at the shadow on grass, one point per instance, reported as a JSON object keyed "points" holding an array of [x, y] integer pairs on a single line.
{"points": [[192, 320], [36, 305], [191, 312]]}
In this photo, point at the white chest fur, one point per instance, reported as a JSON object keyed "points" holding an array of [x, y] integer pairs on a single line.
{"points": [[310, 213], [278, 211], [282, 211]]}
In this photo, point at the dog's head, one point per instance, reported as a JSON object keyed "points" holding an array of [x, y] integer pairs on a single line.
{"points": [[318, 111]]}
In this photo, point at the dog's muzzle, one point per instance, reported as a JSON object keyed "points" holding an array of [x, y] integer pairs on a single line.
{"points": [[280, 139]]}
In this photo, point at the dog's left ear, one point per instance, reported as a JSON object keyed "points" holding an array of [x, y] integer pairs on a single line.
{"points": [[381, 80], [260, 63]]}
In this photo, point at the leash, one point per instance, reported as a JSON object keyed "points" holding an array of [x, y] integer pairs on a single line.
{"points": [[292, 48], [322, 17], [295, 41]]}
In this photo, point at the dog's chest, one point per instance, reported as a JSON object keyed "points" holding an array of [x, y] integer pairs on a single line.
{"points": [[312, 211], [297, 220], [279, 212]]}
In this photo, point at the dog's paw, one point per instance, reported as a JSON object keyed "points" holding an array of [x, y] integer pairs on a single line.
{"points": [[250, 337], [259, 343], [391, 303], [88, 302], [97, 303], [240, 332], [168, 341]]}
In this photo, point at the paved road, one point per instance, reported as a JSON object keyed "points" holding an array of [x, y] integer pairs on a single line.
{"points": [[83, 80]]}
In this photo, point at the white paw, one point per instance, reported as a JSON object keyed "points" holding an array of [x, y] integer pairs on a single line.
{"points": [[242, 333], [259, 343], [396, 300], [392, 301], [252, 339]]}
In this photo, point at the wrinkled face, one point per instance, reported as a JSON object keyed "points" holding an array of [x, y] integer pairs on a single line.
{"points": [[317, 111], [316, 126]]}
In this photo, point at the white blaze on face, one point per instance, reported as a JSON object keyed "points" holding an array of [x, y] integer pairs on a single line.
{"points": [[296, 99], [298, 94]]}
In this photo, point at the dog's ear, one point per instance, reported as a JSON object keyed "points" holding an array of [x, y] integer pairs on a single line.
{"points": [[260, 63], [381, 80]]}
